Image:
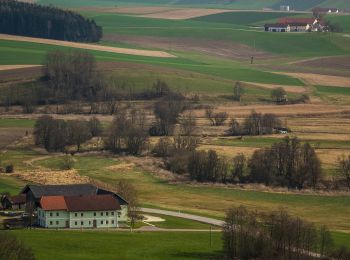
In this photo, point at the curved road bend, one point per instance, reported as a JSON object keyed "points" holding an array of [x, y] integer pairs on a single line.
{"points": [[211, 221]]}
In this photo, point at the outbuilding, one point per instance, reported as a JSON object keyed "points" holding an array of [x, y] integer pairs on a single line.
{"points": [[14, 202], [277, 27]]}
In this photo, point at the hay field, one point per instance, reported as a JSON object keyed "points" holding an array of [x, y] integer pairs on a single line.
{"points": [[85, 46]]}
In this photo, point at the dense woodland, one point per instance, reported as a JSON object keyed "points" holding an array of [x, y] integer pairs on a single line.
{"points": [[34, 20]]}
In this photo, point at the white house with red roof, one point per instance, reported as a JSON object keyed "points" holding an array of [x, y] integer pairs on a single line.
{"points": [[295, 24], [87, 211]]}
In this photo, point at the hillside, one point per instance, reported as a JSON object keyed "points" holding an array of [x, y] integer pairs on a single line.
{"points": [[232, 4]]}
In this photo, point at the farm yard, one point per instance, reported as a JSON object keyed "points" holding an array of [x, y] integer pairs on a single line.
{"points": [[201, 52]]}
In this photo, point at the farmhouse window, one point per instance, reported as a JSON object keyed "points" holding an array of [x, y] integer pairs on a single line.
{"points": [[107, 222], [50, 214], [101, 222], [119, 214], [82, 214], [89, 222], [101, 213], [57, 214], [106, 213], [76, 214], [112, 213], [56, 222], [112, 221], [94, 214], [82, 223], [76, 223], [50, 222]]}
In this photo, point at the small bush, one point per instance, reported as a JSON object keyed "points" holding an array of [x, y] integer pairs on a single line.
{"points": [[9, 168], [67, 163]]}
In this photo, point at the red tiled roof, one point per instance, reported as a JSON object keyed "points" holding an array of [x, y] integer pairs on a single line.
{"points": [[290, 20], [80, 203], [53, 203], [92, 202], [19, 199]]}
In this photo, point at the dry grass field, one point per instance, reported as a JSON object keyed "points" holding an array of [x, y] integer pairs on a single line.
{"points": [[324, 80]]}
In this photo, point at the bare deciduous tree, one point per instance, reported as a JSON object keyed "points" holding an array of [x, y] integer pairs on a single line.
{"points": [[344, 169], [128, 191]]}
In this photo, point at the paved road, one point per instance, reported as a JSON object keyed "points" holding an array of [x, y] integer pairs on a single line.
{"points": [[211, 221]]}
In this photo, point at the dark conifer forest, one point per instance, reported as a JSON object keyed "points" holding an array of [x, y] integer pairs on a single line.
{"points": [[34, 20]]}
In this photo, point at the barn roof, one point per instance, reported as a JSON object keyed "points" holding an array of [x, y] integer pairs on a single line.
{"points": [[79, 203], [278, 25], [292, 20], [91, 203], [63, 190], [70, 190], [18, 199]]}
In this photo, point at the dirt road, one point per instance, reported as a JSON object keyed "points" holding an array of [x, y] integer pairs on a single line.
{"points": [[211, 221], [86, 46]]}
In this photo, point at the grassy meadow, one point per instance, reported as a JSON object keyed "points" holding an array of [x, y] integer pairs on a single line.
{"points": [[121, 245]]}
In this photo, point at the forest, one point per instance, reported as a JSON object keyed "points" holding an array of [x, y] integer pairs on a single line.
{"points": [[34, 20]]}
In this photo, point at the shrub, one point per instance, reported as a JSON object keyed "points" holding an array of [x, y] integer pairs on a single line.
{"points": [[9, 168]]}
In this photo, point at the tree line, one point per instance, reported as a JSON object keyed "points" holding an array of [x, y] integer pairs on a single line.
{"points": [[28, 19], [288, 163], [276, 235]]}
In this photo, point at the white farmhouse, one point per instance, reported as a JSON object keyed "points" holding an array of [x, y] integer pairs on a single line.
{"points": [[89, 211]]}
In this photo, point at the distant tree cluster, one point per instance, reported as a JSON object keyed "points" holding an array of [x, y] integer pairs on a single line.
{"points": [[255, 124], [276, 235], [72, 75], [167, 111], [127, 133], [55, 134], [34, 20], [288, 163]]}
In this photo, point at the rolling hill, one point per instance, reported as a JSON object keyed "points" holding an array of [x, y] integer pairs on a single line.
{"points": [[234, 4]]}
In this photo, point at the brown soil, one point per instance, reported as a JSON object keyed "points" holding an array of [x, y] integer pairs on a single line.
{"points": [[10, 135], [324, 80], [159, 12], [342, 63], [213, 47], [86, 46], [20, 74], [12, 67], [186, 13], [136, 10]]}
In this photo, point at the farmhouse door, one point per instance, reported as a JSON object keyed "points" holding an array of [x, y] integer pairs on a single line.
{"points": [[95, 223], [67, 223]]}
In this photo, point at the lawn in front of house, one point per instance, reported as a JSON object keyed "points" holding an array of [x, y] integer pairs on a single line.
{"points": [[49, 244]]}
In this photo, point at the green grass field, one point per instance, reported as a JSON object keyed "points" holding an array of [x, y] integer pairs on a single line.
{"points": [[120, 245], [212, 201], [288, 44], [10, 185], [238, 4], [13, 122], [333, 90], [243, 18]]}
